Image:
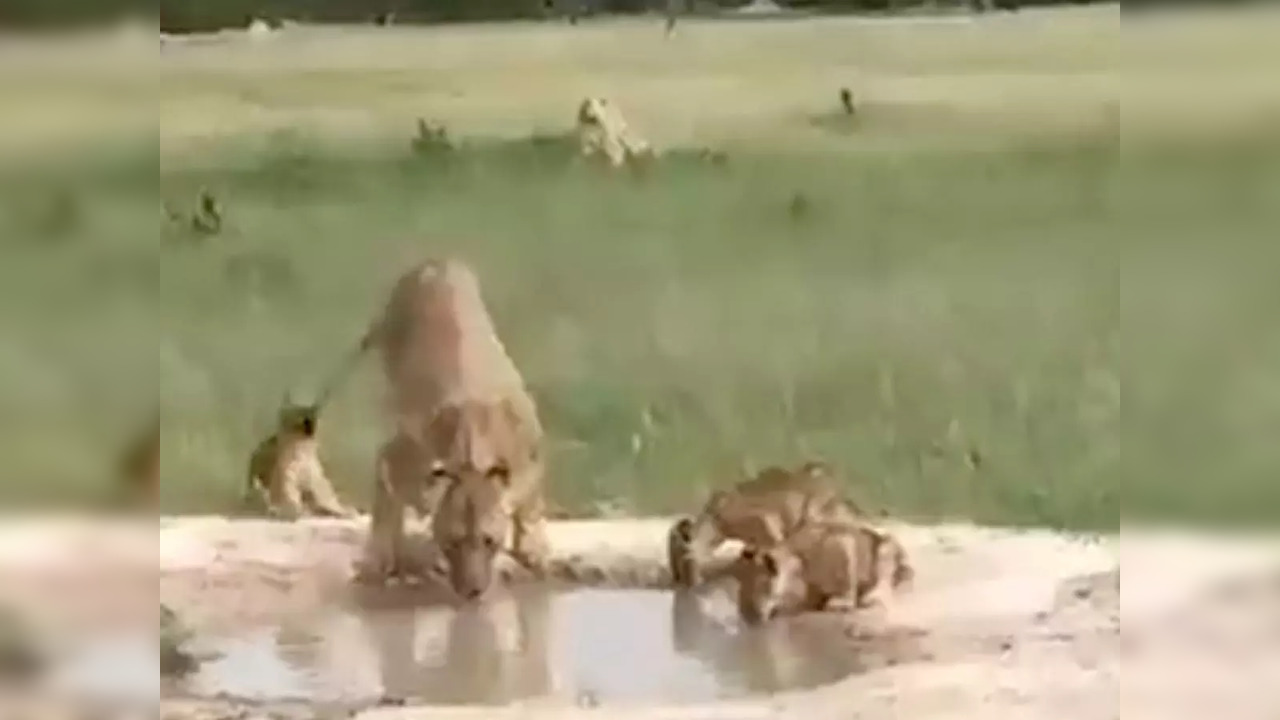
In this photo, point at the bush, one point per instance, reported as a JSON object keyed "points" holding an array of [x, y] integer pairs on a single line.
{"points": [[65, 13]]}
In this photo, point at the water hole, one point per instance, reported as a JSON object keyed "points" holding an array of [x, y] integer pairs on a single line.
{"points": [[591, 644]]}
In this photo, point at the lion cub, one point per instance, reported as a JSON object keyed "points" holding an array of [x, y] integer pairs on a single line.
{"points": [[823, 566], [285, 468], [763, 511], [603, 131]]}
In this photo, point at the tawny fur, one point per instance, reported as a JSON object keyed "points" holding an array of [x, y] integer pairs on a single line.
{"points": [[823, 566], [458, 396], [403, 480], [603, 131], [438, 345], [286, 471], [764, 511], [493, 498]]}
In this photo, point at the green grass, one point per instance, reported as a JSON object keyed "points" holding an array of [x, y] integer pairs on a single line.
{"points": [[1095, 326]]}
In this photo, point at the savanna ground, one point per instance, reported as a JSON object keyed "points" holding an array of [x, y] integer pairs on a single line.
{"points": [[1032, 220]]}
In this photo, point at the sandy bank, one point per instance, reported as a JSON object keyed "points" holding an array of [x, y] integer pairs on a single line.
{"points": [[1034, 617]]}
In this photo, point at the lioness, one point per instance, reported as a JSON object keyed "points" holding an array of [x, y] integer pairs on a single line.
{"points": [[457, 394], [823, 566], [764, 510], [285, 469]]}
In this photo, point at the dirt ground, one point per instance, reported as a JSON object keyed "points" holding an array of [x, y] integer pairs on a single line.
{"points": [[1023, 624]]}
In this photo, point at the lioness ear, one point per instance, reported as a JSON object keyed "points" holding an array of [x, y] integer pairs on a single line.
{"points": [[510, 414]]}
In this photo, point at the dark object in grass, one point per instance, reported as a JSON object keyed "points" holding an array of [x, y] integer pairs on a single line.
{"points": [[799, 207], [431, 139], [65, 214], [204, 221], [715, 158], [207, 219], [139, 465], [846, 101]]}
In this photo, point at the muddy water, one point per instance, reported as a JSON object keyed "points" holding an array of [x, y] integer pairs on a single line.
{"points": [[581, 645]]}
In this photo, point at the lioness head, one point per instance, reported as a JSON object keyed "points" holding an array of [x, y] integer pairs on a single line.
{"points": [[474, 445], [766, 579]]}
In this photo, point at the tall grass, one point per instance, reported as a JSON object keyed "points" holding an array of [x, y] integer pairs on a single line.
{"points": [[1059, 330], [955, 329]]}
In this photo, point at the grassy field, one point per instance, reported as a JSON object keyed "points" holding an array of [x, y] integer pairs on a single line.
{"points": [[947, 296]]}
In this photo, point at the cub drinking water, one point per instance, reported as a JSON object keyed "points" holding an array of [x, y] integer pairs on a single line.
{"points": [[823, 566], [764, 511]]}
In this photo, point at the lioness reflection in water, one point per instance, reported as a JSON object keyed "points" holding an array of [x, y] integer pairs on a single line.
{"points": [[488, 653]]}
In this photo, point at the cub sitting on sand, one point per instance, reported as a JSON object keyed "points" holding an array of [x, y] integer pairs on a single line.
{"points": [[285, 468], [464, 414], [764, 511], [823, 566]]}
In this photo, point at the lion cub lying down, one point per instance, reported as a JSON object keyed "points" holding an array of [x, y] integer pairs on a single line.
{"points": [[762, 511], [285, 468], [823, 566]]}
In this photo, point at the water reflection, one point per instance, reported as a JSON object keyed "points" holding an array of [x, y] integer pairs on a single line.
{"points": [[612, 645], [491, 653], [793, 653]]}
